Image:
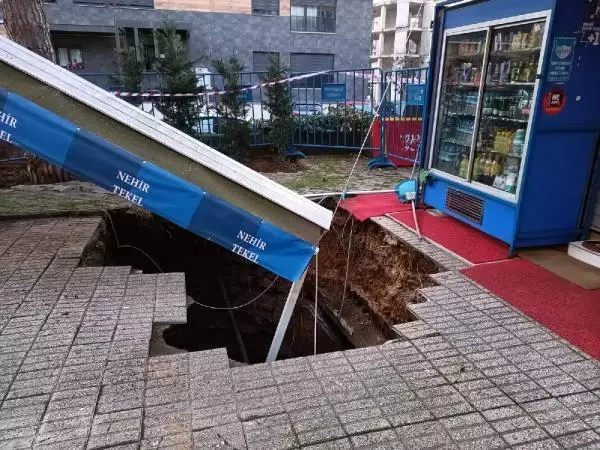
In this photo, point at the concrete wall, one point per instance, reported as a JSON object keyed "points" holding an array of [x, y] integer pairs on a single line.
{"points": [[219, 35]]}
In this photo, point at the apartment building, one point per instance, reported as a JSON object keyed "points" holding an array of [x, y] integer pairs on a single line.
{"points": [[306, 34], [401, 33]]}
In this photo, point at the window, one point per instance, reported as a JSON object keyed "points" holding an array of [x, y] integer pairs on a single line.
{"points": [[313, 16], [265, 7], [311, 62], [70, 58], [260, 60]]}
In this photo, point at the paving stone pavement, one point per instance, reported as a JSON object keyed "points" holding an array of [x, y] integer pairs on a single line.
{"points": [[75, 371]]}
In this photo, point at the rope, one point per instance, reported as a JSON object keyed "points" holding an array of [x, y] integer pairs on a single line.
{"points": [[130, 246], [362, 147], [316, 302], [218, 308], [119, 245], [347, 267]]}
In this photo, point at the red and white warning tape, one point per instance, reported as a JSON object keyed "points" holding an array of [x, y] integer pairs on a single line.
{"points": [[370, 76], [216, 92]]}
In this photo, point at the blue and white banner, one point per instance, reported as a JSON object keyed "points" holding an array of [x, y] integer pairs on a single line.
{"points": [[90, 157]]}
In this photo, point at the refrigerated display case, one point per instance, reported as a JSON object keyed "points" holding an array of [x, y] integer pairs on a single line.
{"points": [[513, 92], [487, 89]]}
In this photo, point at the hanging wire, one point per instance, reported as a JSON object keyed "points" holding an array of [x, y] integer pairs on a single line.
{"points": [[119, 245], [347, 267], [362, 147], [219, 308]]}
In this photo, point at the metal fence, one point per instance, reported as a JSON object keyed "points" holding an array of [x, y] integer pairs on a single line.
{"points": [[329, 110], [400, 125]]}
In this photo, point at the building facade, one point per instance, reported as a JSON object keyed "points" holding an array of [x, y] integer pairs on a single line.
{"points": [[306, 34], [401, 33]]}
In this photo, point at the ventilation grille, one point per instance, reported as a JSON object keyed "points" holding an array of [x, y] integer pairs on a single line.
{"points": [[465, 205]]}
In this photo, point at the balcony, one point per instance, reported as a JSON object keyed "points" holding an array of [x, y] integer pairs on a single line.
{"points": [[312, 24]]}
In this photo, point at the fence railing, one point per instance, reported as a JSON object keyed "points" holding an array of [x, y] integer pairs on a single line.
{"points": [[329, 110], [403, 114]]}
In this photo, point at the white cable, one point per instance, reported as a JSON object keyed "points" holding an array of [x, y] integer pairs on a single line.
{"points": [[347, 267], [362, 147], [130, 246], [158, 267], [239, 306], [316, 302]]}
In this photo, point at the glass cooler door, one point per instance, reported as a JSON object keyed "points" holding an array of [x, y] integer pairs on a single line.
{"points": [[506, 105], [459, 95]]}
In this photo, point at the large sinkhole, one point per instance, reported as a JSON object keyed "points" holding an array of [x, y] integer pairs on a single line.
{"points": [[356, 310]]}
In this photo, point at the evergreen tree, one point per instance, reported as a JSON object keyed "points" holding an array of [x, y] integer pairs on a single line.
{"points": [[279, 105], [232, 109], [173, 64]]}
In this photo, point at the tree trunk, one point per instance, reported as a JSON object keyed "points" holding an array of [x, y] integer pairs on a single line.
{"points": [[26, 24]]}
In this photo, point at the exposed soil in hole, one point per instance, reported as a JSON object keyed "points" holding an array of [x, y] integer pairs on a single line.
{"points": [[383, 275]]}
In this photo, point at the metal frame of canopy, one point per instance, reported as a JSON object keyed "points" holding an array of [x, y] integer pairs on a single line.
{"points": [[164, 153]]}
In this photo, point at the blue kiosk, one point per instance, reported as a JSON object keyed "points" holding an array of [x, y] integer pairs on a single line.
{"points": [[514, 118]]}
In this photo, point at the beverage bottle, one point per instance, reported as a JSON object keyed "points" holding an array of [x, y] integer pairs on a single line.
{"points": [[525, 73], [494, 168], [487, 166], [480, 164], [476, 168], [464, 166], [532, 71], [504, 72], [514, 73], [497, 73], [525, 41], [495, 111]]}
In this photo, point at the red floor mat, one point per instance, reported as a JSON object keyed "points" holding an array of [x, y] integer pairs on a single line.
{"points": [[460, 238], [372, 205], [570, 311]]}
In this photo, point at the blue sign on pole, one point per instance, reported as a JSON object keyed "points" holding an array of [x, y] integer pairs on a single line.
{"points": [[561, 61], [415, 94], [333, 92], [246, 96], [87, 155]]}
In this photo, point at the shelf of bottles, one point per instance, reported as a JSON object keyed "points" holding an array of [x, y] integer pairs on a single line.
{"points": [[506, 105], [461, 82], [511, 59]]}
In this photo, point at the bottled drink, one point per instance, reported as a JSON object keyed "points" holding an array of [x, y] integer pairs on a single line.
{"points": [[532, 71], [487, 168], [487, 105], [514, 73], [480, 167], [525, 74], [518, 142], [464, 166], [497, 73], [505, 72]]}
